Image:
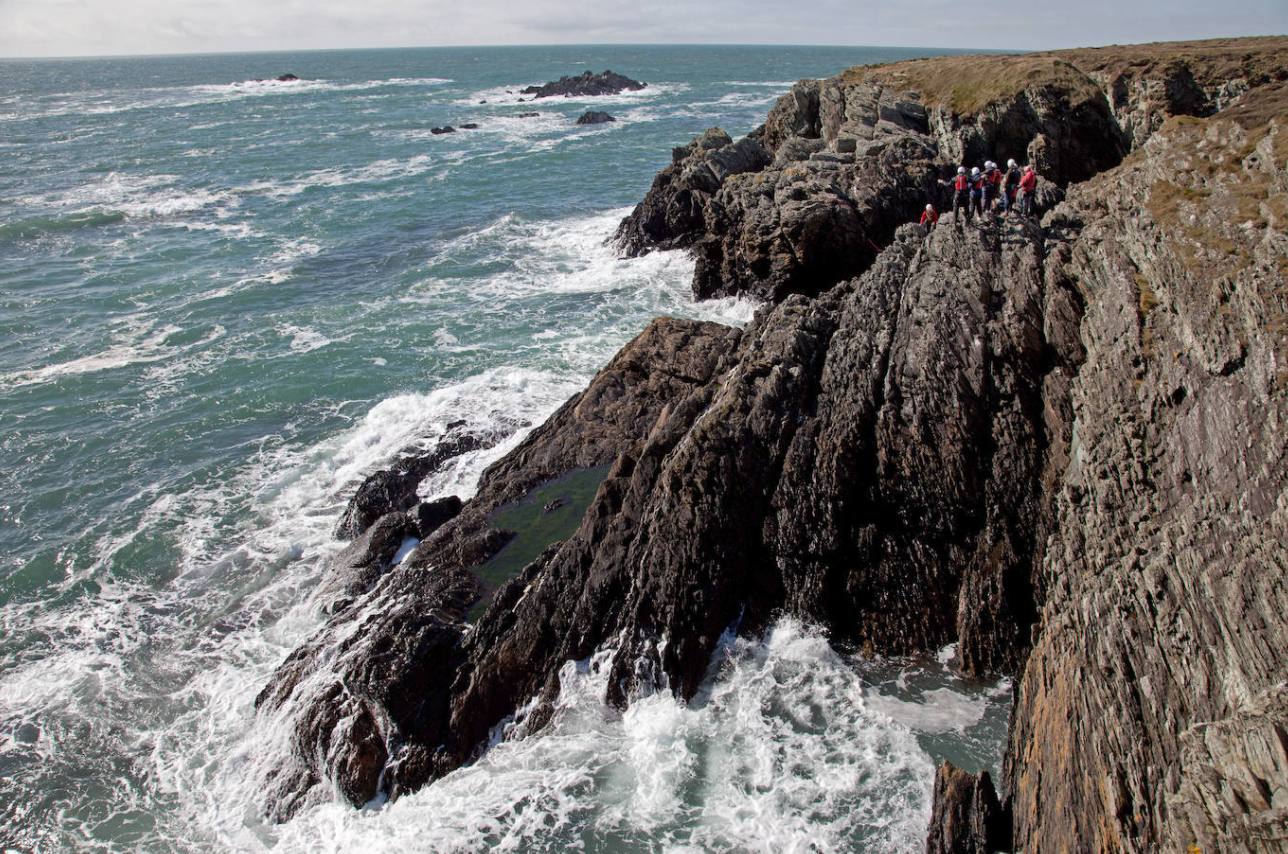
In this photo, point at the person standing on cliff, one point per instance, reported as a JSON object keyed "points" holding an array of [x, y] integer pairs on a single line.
{"points": [[978, 184], [961, 195], [1012, 185], [1028, 186]]}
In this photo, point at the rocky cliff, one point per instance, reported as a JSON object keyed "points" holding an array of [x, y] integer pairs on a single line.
{"points": [[1057, 443]]}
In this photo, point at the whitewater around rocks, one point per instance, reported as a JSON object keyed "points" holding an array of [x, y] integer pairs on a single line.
{"points": [[215, 331]]}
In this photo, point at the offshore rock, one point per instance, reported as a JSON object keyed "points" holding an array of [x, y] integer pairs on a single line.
{"points": [[594, 117], [586, 84]]}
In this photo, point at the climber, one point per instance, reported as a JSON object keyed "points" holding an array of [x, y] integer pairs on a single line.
{"points": [[929, 217], [994, 189], [961, 195], [1028, 186], [1012, 184], [978, 181]]}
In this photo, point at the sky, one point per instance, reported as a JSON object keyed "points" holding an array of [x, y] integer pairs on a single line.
{"points": [[111, 27]]}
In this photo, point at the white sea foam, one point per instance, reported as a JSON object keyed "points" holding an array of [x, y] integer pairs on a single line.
{"points": [[140, 196], [777, 753], [138, 340], [108, 102], [376, 172], [513, 94]]}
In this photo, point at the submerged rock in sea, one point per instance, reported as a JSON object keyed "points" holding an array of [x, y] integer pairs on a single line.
{"points": [[1056, 444], [594, 117], [287, 78], [442, 130], [586, 84]]}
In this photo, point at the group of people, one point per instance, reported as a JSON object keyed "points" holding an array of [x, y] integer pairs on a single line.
{"points": [[985, 191]]}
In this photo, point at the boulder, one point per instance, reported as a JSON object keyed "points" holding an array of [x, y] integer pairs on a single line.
{"points": [[442, 130], [287, 78], [594, 117]]}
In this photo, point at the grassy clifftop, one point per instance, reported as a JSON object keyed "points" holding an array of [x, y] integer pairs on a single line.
{"points": [[967, 84]]}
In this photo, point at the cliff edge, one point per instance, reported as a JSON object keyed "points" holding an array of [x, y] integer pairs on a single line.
{"points": [[1057, 443]]}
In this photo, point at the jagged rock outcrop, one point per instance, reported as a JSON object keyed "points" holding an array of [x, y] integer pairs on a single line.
{"points": [[586, 84], [1058, 444], [394, 489], [967, 817], [809, 198], [373, 690]]}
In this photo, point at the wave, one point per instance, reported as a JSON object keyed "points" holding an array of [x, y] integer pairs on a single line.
{"points": [[108, 102], [511, 95], [781, 750], [137, 342], [379, 171], [136, 196]]}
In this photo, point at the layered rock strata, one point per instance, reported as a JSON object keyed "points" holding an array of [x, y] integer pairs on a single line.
{"points": [[1057, 444]]}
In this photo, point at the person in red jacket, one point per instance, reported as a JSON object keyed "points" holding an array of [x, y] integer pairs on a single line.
{"points": [[991, 196], [1028, 185], [929, 217]]}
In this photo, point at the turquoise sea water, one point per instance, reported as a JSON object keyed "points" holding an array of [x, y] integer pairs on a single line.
{"points": [[222, 302]]}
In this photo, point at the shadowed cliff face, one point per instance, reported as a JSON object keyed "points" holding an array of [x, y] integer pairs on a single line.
{"points": [[1059, 445]]}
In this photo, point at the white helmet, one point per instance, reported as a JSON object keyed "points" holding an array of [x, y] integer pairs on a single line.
{"points": [[930, 208], [961, 170], [974, 170], [1011, 164], [988, 164]]}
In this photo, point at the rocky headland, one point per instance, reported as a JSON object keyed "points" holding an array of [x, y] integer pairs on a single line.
{"points": [[1059, 443]]}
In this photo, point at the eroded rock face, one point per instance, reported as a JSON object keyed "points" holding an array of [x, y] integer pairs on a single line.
{"points": [[1150, 713]]}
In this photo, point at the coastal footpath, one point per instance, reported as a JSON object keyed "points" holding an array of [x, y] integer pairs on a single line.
{"points": [[1058, 443]]}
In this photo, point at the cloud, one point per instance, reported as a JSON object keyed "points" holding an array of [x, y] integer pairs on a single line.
{"points": [[69, 27]]}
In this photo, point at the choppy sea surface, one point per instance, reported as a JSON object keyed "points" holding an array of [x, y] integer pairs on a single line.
{"points": [[222, 303]]}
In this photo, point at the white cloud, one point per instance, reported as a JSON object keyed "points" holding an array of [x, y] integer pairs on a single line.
{"points": [[66, 27]]}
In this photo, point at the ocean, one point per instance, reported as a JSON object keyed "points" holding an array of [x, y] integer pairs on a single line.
{"points": [[223, 302]]}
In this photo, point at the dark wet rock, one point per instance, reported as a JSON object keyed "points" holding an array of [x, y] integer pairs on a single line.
{"points": [[586, 84], [594, 117], [469, 126], [394, 489], [287, 78], [528, 115], [552, 506], [397, 670], [442, 130], [967, 817]]}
